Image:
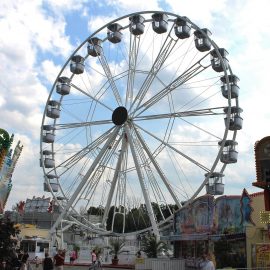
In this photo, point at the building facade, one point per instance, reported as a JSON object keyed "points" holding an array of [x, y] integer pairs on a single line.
{"points": [[228, 227]]}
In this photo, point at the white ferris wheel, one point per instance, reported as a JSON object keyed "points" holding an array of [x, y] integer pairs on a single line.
{"points": [[143, 115]]}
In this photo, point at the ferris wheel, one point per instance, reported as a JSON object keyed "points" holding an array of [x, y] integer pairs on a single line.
{"points": [[143, 115]]}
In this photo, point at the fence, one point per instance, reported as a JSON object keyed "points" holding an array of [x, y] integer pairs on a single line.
{"points": [[159, 264]]}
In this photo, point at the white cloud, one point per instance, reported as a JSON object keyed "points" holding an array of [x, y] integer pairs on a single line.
{"points": [[67, 5], [123, 6], [201, 13], [50, 70], [32, 37]]}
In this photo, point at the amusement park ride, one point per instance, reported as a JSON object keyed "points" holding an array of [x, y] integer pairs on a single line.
{"points": [[8, 160], [145, 110], [262, 161]]}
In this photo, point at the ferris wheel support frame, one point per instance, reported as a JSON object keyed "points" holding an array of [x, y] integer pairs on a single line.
{"points": [[85, 178]]}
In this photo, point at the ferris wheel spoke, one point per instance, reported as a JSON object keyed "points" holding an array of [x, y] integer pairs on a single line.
{"points": [[142, 183], [201, 129], [82, 124], [201, 112], [133, 54], [164, 52], [157, 167], [92, 185], [106, 68], [91, 97], [73, 160], [113, 182], [182, 115], [85, 178], [190, 73], [156, 190], [176, 150]]}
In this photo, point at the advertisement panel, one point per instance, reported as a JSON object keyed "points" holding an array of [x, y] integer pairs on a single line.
{"points": [[197, 217], [263, 255]]}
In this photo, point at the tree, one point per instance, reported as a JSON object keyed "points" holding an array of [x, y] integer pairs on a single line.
{"points": [[116, 247], [222, 250], [153, 247], [8, 241]]}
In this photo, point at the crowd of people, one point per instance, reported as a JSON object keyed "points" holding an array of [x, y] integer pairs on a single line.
{"points": [[17, 260], [20, 261]]}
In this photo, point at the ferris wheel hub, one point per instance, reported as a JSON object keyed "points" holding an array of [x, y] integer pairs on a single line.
{"points": [[119, 116]]}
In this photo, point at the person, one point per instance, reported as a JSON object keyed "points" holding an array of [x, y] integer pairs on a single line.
{"points": [[20, 255], [72, 256], [15, 263], [59, 260], [25, 257], [93, 259], [99, 260], [47, 262], [206, 263], [36, 261]]}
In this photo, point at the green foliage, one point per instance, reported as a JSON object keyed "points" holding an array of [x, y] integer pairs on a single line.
{"points": [[225, 257], [76, 248], [98, 249], [8, 241], [153, 247], [136, 218], [116, 246], [222, 250]]}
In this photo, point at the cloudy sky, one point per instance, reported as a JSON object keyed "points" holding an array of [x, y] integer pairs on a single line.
{"points": [[37, 37]]}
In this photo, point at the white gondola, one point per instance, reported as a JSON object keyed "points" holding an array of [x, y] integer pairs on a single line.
{"points": [[236, 121], [51, 176], [229, 153], [48, 160], [53, 182], [54, 187], [160, 22], [215, 185], [216, 61], [53, 109], [63, 86], [202, 40], [77, 64], [182, 28], [47, 134], [233, 87], [136, 26], [94, 47], [114, 33]]}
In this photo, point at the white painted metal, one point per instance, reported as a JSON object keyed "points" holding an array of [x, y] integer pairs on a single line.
{"points": [[143, 90], [143, 187], [85, 178]]}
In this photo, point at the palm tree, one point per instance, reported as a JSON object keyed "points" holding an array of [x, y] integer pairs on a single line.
{"points": [[153, 247], [116, 246]]}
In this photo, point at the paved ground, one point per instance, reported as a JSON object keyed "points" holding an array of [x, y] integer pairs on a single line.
{"points": [[86, 267], [75, 267]]}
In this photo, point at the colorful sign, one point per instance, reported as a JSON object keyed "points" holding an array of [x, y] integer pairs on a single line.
{"points": [[265, 217], [197, 217], [206, 215], [246, 208], [8, 160], [263, 255]]}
